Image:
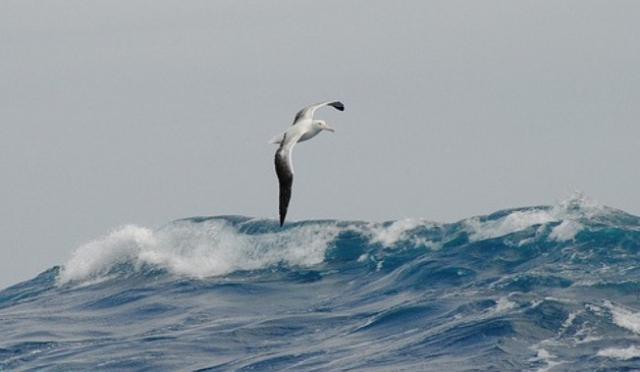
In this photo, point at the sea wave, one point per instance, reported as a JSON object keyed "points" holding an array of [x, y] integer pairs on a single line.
{"points": [[535, 288], [212, 246]]}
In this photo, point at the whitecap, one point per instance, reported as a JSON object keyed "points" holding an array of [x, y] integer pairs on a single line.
{"points": [[544, 356], [630, 352], [513, 222], [567, 230], [624, 318], [199, 250], [389, 235], [567, 212], [504, 304]]}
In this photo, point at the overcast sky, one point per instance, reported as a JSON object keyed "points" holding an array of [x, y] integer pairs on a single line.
{"points": [[116, 112]]}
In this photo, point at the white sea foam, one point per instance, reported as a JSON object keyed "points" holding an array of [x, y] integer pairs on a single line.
{"points": [[569, 321], [199, 250], [566, 212], [515, 221], [579, 204], [119, 246], [397, 231], [504, 304], [567, 230], [630, 352], [544, 356], [624, 318]]}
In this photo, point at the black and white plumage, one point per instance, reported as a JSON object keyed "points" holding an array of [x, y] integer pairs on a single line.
{"points": [[302, 129]]}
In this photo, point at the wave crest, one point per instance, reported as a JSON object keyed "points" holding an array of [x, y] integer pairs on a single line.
{"points": [[213, 246], [200, 249]]}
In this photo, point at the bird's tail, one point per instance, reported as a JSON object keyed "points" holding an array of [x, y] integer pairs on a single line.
{"points": [[277, 139]]}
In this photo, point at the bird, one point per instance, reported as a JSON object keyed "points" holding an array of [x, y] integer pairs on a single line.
{"points": [[302, 129]]}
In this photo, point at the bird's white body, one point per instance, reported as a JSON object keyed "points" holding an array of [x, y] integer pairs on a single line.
{"points": [[309, 131], [302, 130]]}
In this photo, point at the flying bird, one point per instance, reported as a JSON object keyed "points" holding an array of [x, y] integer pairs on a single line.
{"points": [[302, 129]]}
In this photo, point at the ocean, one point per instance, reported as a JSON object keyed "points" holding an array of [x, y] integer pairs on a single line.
{"points": [[543, 288]]}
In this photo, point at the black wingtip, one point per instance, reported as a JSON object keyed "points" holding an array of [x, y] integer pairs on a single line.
{"points": [[337, 105]]}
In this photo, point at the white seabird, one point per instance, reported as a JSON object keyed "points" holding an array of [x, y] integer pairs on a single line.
{"points": [[302, 129]]}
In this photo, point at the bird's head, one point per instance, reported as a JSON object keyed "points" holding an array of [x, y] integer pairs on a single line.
{"points": [[322, 125]]}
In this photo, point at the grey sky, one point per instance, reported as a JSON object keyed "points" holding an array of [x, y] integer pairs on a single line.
{"points": [[115, 112]]}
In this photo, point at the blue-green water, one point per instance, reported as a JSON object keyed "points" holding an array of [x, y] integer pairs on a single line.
{"points": [[539, 288]]}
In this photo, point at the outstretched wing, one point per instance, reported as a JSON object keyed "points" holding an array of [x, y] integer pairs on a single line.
{"points": [[285, 178], [307, 112], [284, 170]]}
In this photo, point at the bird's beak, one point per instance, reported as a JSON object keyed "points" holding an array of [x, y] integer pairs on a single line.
{"points": [[330, 129]]}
